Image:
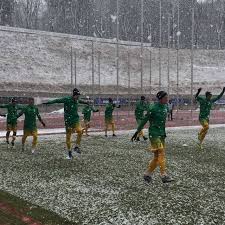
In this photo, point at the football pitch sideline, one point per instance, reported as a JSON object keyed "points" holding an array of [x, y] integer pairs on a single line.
{"points": [[105, 186]]}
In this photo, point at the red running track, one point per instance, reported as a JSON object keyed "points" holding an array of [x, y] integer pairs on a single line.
{"points": [[126, 120]]}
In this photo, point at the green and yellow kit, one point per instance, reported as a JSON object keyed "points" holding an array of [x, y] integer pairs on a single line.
{"points": [[31, 113], [71, 118], [87, 110], [140, 108], [157, 115], [12, 111], [109, 112], [205, 108]]}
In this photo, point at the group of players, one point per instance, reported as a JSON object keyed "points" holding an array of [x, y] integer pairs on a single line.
{"points": [[156, 115]]}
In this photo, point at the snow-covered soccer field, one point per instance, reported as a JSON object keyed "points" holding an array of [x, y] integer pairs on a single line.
{"points": [[105, 186]]}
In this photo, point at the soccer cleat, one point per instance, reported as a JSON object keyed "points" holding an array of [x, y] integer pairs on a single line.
{"points": [[137, 139], [145, 139], [114, 135], [33, 151], [147, 178], [106, 135], [70, 156], [13, 145], [77, 150], [167, 179], [200, 147]]}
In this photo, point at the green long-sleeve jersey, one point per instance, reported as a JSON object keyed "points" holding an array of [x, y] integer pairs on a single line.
{"points": [[206, 106], [87, 110], [141, 106], [109, 111], [71, 115], [11, 113], [157, 115], [31, 113]]}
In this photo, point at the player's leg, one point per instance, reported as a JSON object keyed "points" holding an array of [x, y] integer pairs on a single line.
{"points": [[68, 142], [34, 143]]}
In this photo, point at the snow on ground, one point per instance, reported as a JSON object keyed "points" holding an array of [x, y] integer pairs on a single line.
{"points": [[60, 111], [104, 185], [39, 60]]}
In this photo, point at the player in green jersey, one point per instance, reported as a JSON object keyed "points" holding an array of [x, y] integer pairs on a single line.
{"points": [[72, 120], [205, 108], [109, 121], [30, 126], [11, 120], [141, 107], [156, 116], [87, 110]]}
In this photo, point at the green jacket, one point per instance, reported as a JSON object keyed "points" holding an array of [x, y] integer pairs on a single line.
{"points": [[206, 106], [12, 113], [71, 116], [139, 110], [30, 112], [157, 115], [87, 112], [109, 111]]}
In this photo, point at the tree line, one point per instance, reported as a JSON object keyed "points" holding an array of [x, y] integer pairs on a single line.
{"points": [[97, 18]]}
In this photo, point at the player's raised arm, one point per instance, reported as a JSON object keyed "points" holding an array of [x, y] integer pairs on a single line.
{"points": [[219, 96], [197, 94], [58, 100]]}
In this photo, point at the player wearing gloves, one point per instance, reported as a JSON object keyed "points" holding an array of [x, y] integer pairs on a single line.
{"points": [[156, 116], [109, 121], [12, 109], [205, 107], [141, 107], [87, 110], [72, 120], [30, 125]]}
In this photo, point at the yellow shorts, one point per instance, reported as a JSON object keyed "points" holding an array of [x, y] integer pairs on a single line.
{"points": [[109, 122], [28, 133], [157, 143], [76, 128], [12, 128], [204, 122]]}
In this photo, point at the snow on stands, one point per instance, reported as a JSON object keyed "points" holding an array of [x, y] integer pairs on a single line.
{"points": [[34, 61]]}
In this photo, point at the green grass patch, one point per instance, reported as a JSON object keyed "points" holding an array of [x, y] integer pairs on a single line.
{"points": [[35, 212]]}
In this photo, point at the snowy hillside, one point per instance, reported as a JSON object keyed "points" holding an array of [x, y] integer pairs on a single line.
{"points": [[37, 61]]}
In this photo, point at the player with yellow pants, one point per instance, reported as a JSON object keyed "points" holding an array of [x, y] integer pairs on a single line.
{"points": [[30, 126], [12, 109], [141, 107], [71, 118], [205, 107], [109, 121], [87, 110], [157, 115]]}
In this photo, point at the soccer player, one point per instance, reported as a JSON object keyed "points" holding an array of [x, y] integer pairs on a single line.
{"points": [[11, 120], [72, 120], [156, 116], [205, 107], [141, 107], [30, 125], [87, 110], [171, 108], [109, 121]]}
